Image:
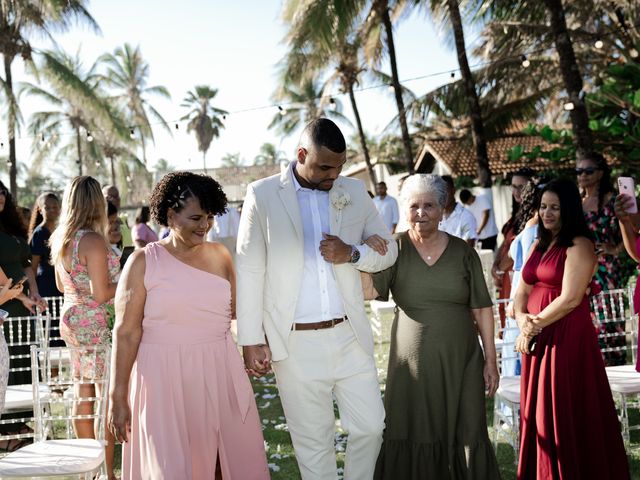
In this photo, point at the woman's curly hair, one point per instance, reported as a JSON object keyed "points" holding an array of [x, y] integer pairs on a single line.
{"points": [[176, 187]]}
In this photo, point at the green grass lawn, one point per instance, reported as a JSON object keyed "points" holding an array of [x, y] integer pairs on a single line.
{"points": [[280, 454]]}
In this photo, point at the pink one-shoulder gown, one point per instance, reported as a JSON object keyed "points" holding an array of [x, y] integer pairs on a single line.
{"points": [[191, 401]]}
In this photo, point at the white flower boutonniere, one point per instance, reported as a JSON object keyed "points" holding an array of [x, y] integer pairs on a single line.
{"points": [[340, 199]]}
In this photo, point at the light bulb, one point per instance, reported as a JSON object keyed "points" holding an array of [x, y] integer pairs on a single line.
{"points": [[569, 106], [525, 61], [599, 44]]}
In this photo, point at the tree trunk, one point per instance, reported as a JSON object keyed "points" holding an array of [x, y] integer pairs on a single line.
{"points": [[473, 103], [144, 149], [204, 161], [572, 79], [113, 171], [406, 139], [79, 148], [363, 140], [11, 130]]}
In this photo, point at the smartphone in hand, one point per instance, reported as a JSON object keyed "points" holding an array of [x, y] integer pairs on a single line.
{"points": [[627, 186]]}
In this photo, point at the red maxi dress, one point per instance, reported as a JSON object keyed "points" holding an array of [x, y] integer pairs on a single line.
{"points": [[569, 427]]}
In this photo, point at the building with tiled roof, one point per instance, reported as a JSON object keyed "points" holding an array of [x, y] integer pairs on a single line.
{"points": [[457, 157]]}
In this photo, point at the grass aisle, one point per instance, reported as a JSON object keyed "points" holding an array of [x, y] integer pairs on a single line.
{"points": [[278, 442]]}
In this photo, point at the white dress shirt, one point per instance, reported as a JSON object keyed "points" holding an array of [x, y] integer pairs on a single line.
{"points": [[460, 223], [481, 204], [225, 225], [388, 210], [320, 298]]}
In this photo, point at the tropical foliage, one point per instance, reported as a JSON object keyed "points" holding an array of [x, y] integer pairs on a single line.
{"points": [[204, 120]]}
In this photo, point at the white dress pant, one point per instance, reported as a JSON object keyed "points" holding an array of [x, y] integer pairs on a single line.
{"points": [[322, 363]]}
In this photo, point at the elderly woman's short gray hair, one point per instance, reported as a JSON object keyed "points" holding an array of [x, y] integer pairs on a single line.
{"points": [[421, 183]]}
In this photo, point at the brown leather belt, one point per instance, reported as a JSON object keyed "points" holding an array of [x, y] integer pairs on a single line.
{"points": [[319, 325]]}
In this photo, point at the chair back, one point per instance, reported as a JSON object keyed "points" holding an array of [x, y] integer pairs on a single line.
{"points": [[613, 317], [54, 414]]}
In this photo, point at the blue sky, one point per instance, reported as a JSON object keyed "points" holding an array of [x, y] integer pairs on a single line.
{"points": [[232, 46]]}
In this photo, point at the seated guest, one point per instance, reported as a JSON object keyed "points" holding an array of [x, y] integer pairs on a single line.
{"points": [[437, 377], [482, 209], [569, 425], [174, 306], [457, 220]]}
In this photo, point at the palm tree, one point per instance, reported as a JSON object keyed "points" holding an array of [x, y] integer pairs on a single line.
{"points": [[17, 20], [269, 155], [127, 74], [303, 101], [312, 54], [76, 104], [450, 10], [378, 16], [205, 120], [572, 79]]}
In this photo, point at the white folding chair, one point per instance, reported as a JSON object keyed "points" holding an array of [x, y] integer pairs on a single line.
{"points": [[506, 402], [615, 306], [381, 312], [21, 333], [56, 453]]}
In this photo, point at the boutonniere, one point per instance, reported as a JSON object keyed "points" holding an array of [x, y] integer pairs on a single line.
{"points": [[340, 199]]}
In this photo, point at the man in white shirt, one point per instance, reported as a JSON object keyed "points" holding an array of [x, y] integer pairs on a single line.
{"points": [[387, 207], [300, 301], [225, 229], [457, 220], [482, 211]]}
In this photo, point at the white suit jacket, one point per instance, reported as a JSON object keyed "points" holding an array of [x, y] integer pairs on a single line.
{"points": [[270, 258]]}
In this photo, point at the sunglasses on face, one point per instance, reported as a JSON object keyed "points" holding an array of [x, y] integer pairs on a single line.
{"points": [[586, 171]]}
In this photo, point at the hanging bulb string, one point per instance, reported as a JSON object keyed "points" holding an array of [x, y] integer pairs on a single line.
{"points": [[524, 59]]}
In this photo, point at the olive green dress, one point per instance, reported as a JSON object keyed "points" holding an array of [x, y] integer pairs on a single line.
{"points": [[435, 424]]}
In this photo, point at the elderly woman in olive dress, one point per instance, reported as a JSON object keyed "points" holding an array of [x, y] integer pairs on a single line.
{"points": [[438, 375]]}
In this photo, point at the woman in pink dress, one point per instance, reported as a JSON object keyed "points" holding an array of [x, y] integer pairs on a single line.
{"points": [[141, 232], [180, 398], [569, 426]]}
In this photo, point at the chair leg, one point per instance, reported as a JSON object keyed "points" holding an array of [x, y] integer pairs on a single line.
{"points": [[516, 430], [624, 420], [496, 421]]}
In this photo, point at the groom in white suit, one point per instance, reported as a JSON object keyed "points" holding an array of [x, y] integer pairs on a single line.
{"points": [[300, 302]]}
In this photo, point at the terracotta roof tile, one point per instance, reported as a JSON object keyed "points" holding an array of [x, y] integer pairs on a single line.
{"points": [[459, 156]]}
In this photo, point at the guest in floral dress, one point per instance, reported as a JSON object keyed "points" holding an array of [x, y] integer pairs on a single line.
{"points": [[86, 272], [614, 265]]}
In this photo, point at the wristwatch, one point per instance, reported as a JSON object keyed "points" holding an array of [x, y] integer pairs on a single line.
{"points": [[355, 254]]}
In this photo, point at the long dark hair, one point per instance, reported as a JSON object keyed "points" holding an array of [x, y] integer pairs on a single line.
{"points": [[573, 223], [605, 186], [531, 194], [36, 213], [524, 172], [11, 221]]}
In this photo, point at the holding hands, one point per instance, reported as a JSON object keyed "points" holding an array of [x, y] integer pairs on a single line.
{"points": [[334, 250], [257, 359]]}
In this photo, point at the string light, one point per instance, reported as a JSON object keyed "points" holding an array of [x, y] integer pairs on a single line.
{"points": [[132, 133], [525, 62], [89, 137], [224, 117], [177, 127]]}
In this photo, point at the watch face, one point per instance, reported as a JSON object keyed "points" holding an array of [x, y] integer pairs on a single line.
{"points": [[355, 255]]}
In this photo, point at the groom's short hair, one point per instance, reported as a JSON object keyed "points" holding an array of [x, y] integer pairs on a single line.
{"points": [[325, 133]]}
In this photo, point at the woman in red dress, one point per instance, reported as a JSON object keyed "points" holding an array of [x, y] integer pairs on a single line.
{"points": [[569, 426]]}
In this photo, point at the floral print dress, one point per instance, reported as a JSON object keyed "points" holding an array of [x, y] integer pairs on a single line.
{"points": [[613, 272], [83, 319]]}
